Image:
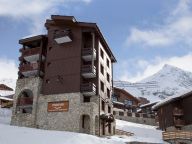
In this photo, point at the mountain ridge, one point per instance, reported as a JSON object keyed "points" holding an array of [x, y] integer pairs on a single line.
{"points": [[166, 82]]}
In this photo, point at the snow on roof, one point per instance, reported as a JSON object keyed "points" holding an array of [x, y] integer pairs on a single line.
{"points": [[5, 98], [172, 98], [116, 102], [149, 104], [6, 93]]}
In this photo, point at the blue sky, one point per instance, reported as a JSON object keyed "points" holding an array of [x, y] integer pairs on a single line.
{"points": [[143, 34]]}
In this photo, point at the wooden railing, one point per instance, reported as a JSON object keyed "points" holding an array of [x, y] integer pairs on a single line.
{"points": [[177, 135], [31, 66], [30, 51], [88, 69], [178, 112], [7, 104], [88, 87], [179, 122], [25, 101], [88, 51]]}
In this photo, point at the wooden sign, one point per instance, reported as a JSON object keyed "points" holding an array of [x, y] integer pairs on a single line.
{"points": [[61, 106]]}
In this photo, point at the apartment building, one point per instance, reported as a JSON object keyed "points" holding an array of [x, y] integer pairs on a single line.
{"points": [[65, 79]]}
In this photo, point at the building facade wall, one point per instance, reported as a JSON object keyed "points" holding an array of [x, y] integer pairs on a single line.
{"points": [[63, 62], [70, 120], [26, 119], [62, 81]]}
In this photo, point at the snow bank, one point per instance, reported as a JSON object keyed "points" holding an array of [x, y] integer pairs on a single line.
{"points": [[5, 116], [21, 135]]}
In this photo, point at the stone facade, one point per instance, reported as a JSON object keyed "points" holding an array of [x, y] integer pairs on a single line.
{"points": [[64, 121], [34, 86]]}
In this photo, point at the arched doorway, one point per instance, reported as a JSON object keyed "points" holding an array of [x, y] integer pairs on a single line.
{"points": [[25, 102], [85, 126]]}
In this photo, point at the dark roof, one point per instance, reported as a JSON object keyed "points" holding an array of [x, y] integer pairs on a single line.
{"points": [[172, 99], [5, 87], [127, 93], [31, 38]]}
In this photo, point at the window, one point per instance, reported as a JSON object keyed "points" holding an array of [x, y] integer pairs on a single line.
{"points": [[108, 93], [83, 121], [114, 97], [109, 109], [128, 102], [102, 86], [103, 105], [86, 99], [47, 81], [102, 69], [109, 128], [48, 64], [108, 63], [108, 77], [102, 53], [50, 48]]}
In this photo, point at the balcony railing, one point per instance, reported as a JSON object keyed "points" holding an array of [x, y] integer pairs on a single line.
{"points": [[30, 51], [179, 122], [31, 69], [88, 71], [31, 54], [25, 101], [88, 89], [178, 112], [7, 104], [185, 135], [88, 54]]}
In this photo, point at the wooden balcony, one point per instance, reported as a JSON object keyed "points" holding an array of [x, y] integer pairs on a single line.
{"points": [[179, 123], [25, 101], [7, 104], [178, 112], [30, 69], [88, 71], [88, 54], [63, 37], [88, 89], [185, 135], [31, 54]]}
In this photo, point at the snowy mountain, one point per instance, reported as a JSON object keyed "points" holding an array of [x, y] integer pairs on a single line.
{"points": [[167, 82]]}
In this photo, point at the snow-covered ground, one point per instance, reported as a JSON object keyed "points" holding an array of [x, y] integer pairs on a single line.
{"points": [[142, 133], [21, 135], [5, 116]]}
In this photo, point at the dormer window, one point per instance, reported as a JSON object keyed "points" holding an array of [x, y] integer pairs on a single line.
{"points": [[63, 36]]}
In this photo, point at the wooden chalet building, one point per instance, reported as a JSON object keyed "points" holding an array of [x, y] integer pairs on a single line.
{"points": [[175, 118], [124, 100], [6, 96]]}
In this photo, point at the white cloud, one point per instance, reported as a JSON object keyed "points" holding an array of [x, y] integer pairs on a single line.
{"points": [[8, 69], [148, 68], [176, 28], [35, 11]]}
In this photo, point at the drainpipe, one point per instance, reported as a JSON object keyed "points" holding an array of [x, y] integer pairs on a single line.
{"points": [[93, 46]]}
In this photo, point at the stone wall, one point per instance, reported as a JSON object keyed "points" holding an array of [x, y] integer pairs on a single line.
{"points": [[135, 117], [34, 85], [68, 121]]}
